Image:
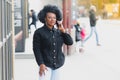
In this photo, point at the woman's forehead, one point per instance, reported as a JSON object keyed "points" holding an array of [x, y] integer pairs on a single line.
{"points": [[51, 14]]}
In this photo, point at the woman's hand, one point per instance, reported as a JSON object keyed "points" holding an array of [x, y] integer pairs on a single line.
{"points": [[42, 69], [60, 26]]}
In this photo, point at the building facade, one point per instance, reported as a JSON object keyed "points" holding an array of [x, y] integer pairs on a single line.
{"points": [[6, 40]]}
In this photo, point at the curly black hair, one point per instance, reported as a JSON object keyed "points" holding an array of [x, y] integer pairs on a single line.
{"points": [[49, 8]]}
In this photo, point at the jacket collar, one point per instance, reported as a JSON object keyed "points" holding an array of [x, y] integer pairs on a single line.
{"points": [[53, 29]]}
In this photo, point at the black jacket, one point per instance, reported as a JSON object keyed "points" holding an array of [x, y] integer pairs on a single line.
{"points": [[92, 17], [47, 46], [77, 32], [34, 18]]}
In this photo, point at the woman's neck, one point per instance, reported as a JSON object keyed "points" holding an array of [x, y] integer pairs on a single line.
{"points": [[51, 27]]}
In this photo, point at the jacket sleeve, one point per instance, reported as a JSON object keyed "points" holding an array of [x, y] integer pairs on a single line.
{"points": [[67, 39], [37, 48]]}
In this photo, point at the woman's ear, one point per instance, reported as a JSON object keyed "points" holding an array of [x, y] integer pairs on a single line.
{"points": [[45, 19]]}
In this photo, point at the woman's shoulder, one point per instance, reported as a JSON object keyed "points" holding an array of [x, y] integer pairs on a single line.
{"points": [[39, 29]]}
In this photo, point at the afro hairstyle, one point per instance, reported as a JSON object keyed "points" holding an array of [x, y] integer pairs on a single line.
{"points": [[49, 8]]}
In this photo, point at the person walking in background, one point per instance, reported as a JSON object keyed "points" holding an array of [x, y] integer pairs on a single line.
{"points": [[48, 41], [34, 19], [79, 37], [82, 34], [104, 12], [93, 19]]}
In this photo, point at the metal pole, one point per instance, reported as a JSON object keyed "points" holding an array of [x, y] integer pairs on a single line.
{"points": [[13, 45], [69, 24], [64, 22]]}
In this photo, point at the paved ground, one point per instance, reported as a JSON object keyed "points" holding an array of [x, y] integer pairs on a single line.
{"points": [[96, 63]]}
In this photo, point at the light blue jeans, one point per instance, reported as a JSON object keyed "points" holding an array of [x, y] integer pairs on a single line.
{"points": [[93, 30], [51, 74]]}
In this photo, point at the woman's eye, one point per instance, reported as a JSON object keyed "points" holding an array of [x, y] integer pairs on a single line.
{"points": [[51, 18]]}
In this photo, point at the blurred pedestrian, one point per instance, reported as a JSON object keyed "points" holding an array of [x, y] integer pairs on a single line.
{"points": [[34, 19], [48, 41], [79, 37], [104, 12], [93, 20], [83, 33]]}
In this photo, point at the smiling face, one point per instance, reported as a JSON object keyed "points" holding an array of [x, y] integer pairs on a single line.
{"points": [[50, 19]]}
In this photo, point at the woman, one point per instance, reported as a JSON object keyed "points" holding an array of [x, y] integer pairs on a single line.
{"points": [[79, 33], [48, 41], [93, 20]]}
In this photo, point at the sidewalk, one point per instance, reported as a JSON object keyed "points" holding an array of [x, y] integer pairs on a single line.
{"points": [[96, 63]]}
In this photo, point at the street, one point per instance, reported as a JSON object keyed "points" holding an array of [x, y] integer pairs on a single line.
{"points": [[96, 63]]}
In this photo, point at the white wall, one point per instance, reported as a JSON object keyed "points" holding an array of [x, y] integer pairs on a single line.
{"points": [[38, 4], [35, 4]]}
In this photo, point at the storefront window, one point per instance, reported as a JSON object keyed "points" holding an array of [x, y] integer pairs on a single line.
{"points": [[5, 40], [0, 43]]}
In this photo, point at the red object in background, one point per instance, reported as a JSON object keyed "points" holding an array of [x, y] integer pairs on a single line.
{"points": [[82, 34]]}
